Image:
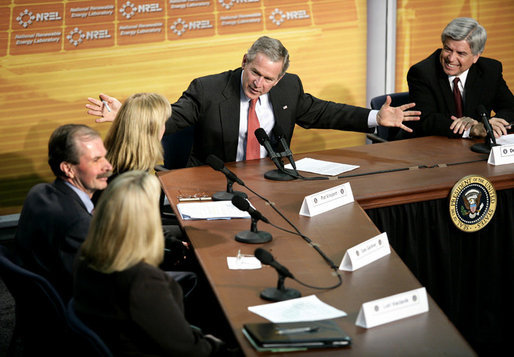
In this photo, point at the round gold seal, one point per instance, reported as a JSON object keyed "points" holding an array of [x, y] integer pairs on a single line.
{"points": [[472, 203]]}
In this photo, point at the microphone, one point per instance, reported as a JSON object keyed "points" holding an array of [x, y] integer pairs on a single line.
{"points": [[280, 135], [263, 139], [279, 293], [266, 258], [253, 235], [281, 174], [217, 164], [490, 140], [244, 205]]}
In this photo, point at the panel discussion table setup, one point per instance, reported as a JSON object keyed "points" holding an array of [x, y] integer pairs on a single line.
{"points": [[383, 182]]}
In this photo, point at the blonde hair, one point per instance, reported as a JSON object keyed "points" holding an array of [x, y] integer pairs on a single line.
{"points": [[133, 141], [126, 226]]}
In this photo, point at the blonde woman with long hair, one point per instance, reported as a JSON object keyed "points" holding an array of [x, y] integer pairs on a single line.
{"points": [[119, 291], [134, 139]]}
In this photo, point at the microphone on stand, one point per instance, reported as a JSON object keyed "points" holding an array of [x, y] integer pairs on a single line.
{"points": [[253, 235], [490, 140], [287, 152], [281, 174], [279, 293], [217, 164]]}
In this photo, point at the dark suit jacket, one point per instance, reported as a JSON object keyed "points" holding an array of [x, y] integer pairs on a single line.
{"points": [[211, 104], [138, 312], [429, 88], [53, 224]]}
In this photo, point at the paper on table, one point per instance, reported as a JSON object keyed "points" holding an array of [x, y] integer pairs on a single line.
{"points": [[243, 263], [505, 140], [322, 167], [210, 210], [308, 308]]}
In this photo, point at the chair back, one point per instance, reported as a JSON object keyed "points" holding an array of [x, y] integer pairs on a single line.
{"points": [[40, 311], [177, 147], [397, 99], [85, 341]]}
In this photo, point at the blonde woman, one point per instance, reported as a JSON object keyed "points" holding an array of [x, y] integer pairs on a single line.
{"points": [[134, 139], [133, 142], [119, 291]]}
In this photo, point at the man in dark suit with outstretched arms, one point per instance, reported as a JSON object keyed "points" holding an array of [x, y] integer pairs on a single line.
{"points": [[219, 107], [479, 81]]}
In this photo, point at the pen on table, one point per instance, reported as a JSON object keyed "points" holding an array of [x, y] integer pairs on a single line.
{"points": [[288, 331], [106, 105]]}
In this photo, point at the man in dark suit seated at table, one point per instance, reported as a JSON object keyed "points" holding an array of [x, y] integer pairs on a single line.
{"points": [[55, 217], [221, 107], [450, 109]]}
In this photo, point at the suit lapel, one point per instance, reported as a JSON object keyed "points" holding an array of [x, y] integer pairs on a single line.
{"points": [[66, 190], [471, 91], [229, 115], [281, 110], [444, 86]]}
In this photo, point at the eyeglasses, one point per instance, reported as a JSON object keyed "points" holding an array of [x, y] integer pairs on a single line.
{"points": [[198, 196]]}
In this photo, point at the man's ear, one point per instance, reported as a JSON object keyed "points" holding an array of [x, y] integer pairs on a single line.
{"points": [[244, 62], [67, 168]]}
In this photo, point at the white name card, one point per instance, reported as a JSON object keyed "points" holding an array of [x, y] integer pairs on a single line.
{"points": [[326, 200], [392, 308], [501, 155], [365, 253]]}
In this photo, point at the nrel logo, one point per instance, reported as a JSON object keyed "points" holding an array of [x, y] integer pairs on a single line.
{"points": [[227, 4], [77, 36], [129, 9], [278, 16], [27, 17], [180, 26]]}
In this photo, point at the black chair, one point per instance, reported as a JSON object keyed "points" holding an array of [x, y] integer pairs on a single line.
{"points": [[85, 341], [177, 147], [40, 312], [385, 133]]}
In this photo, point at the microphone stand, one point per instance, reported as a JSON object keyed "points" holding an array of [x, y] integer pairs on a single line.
{"points": [[253, 236], [281, 173], [490, 140], [228, 194], [280, 293]]}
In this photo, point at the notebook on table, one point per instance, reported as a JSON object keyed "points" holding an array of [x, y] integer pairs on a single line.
{"points": [[292, 336]]}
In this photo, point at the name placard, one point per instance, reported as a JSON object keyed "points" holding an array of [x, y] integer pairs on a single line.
{"points": [[392, 308], [501, 155], [326, 200], [365, 253]]}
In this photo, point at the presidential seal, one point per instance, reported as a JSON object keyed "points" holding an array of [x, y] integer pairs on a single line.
{"points": [[472, 203]]}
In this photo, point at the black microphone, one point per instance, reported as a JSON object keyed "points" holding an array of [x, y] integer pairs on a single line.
{"points": [[266, 258], [217, 164], [253, 235], [244, 205], [280, 135], [279, 293], [490, 140], [263, 139], [281, 174]]}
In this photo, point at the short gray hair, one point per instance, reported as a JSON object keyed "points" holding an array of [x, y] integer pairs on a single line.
{"points": [[272, 48], [466, 28]]}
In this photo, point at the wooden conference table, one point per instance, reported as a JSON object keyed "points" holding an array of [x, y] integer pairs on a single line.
{"points": [[335, 231]]}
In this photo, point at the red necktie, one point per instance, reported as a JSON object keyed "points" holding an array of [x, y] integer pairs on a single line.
{"points": [[253, 148], [457, 97]]}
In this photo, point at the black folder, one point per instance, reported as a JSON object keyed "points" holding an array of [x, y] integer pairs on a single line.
{"points": [[296, 335]]}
